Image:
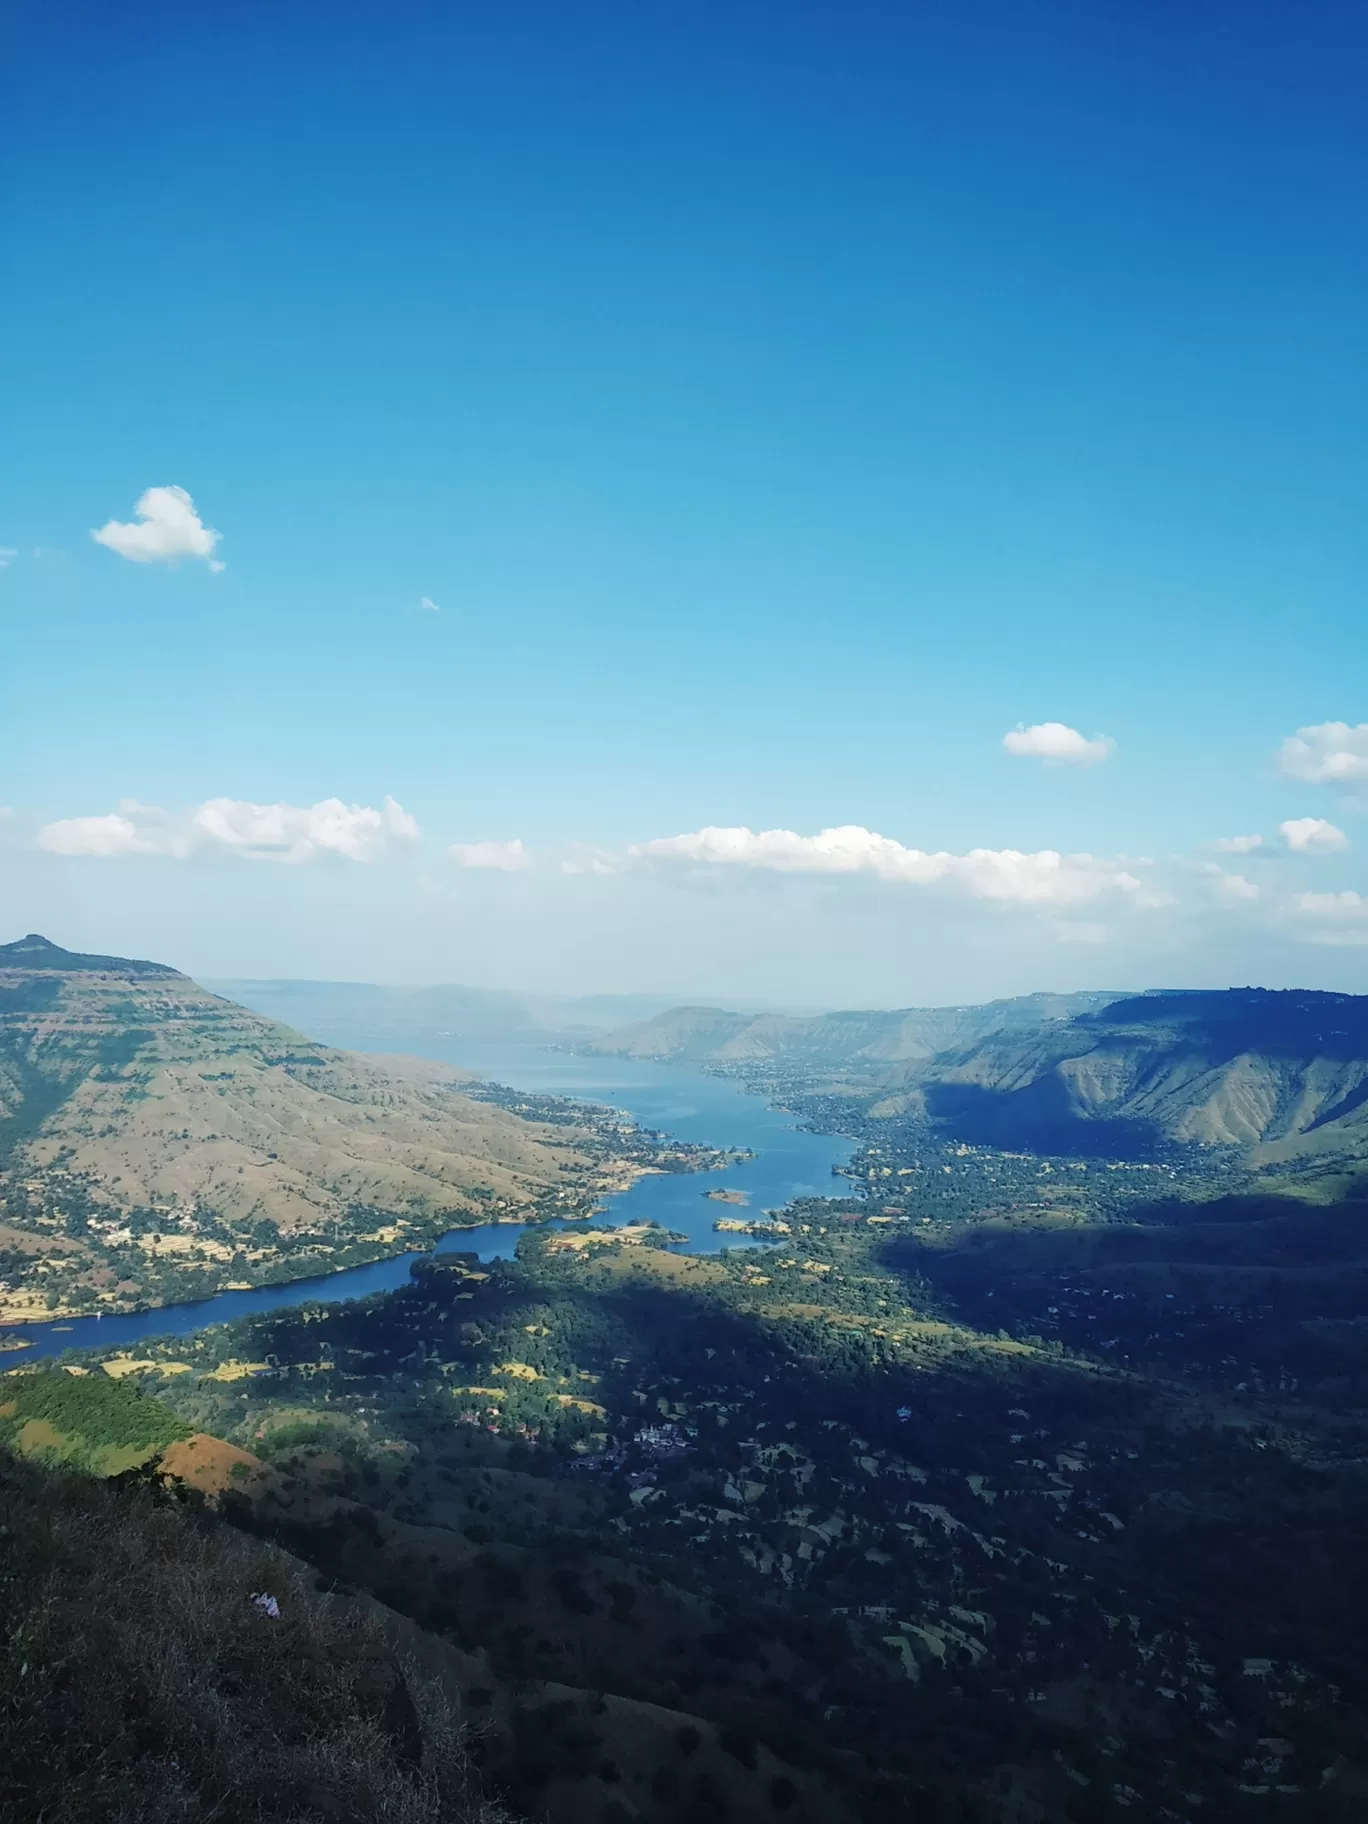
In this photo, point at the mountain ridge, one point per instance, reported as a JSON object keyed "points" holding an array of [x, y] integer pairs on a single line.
{"points": [[158, 1142], [714, 1034], [35, 952], [369, 1014], [1279, 1075]]}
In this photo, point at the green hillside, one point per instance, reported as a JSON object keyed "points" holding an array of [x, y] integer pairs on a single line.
{"points": [[1281, 1076], [971, 1518], [140, 1684], [87, 1420], [158, 1142]]}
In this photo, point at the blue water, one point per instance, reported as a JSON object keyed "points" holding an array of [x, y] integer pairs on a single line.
{"points": [[680, 1102]]}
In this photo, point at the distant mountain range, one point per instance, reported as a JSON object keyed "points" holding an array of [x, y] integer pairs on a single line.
{"points": [[1282, 1076], [367, 1014], [698, 1035]]}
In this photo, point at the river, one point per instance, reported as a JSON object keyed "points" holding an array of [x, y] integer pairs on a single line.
{"points": [[787, 1163]]}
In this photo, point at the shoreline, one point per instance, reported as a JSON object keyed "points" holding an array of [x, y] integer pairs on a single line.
{"points": [[660, 1188], [617, 1178]]}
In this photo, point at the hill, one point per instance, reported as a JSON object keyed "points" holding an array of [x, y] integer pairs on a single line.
{"points": [[373, 1016], [158, 1142], [143, 1685], [341, 1709], [859, 1039], [983, 1516], [90, 1421], [1282, 1076]]}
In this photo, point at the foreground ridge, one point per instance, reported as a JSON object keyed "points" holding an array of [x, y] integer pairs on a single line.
{"points": [[142, 1683]]}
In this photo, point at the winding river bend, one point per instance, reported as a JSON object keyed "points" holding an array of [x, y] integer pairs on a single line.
{"points": [[786, 1164]]}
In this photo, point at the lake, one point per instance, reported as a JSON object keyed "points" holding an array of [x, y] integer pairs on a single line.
{"points": [[708, 1110]]}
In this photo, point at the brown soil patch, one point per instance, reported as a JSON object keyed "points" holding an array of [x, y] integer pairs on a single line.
{"points": [[210, 1465]]}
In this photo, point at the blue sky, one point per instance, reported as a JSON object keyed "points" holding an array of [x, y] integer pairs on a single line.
{"points": [[780, 405]]}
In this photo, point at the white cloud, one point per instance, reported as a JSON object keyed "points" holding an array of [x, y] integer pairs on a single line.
{"points": [[400, 825], [1326, 753], [1341, 918], [1057, 744], [586, 858], [167, 528], [1312, 836], [1236, 886], [300, 833], [7, 556], [1348, 904], [134, 829], [426, 603], [504, 857], [1237, 845], [1227, 886], [1043, 878], [258, 832]]}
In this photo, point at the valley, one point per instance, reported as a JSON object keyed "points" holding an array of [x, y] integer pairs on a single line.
{"points": [[159, 1145], [1272, 1081], [799, 1499], [980, 1482]]}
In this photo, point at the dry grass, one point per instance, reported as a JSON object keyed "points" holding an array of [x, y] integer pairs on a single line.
{"points": [[139, 1684], [148, 1093]]}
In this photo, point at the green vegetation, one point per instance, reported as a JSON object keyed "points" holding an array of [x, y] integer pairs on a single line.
{"points": [[911, 1515], [1014, 1485], [139, 1683], [88, 1421]]}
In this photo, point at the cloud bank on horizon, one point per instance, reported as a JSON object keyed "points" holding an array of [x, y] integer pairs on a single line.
{"points": [[1120, 895], [1043, 878]]}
